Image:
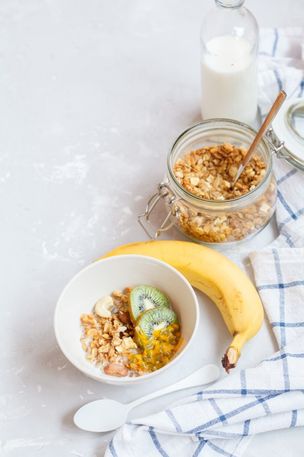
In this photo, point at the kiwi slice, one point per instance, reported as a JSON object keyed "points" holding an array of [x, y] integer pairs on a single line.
{"points": [[155, 319], [143, 298]]}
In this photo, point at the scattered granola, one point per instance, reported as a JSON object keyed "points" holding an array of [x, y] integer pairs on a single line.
{"points": [[207, 173]]}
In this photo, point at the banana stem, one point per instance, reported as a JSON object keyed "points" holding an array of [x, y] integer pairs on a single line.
{"points": [[230, 358], [233, 352]]}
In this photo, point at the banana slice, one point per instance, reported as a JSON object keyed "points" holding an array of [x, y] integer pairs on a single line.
{"points": [[103, 306]]}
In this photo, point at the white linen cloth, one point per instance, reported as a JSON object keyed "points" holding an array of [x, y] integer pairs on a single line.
{"points": [[220, 420]]}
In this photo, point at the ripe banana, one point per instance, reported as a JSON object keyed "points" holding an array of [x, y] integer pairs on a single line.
{"points": [[216, 276]]}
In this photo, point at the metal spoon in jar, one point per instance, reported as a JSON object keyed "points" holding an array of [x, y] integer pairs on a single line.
{"points": [[269, 118], [106, 414]]}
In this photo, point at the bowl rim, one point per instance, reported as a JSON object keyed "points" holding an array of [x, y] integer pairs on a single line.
{"points": [[125, 380]]}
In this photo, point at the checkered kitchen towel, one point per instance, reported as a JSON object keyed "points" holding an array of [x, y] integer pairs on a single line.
{"points": [[220, 420]]}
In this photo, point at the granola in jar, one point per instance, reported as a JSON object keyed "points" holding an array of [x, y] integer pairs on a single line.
{"points": [[207, 173], [199, 198]]}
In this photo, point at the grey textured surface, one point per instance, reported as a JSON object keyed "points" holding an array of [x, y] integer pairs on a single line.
{"points": [[92, 95]]}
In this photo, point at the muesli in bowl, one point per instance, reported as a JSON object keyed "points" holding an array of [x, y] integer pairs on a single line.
{"points": [[98, 280], [131, 332]]}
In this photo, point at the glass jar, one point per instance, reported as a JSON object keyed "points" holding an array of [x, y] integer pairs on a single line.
{"points": [[215, 221], [229, 45]]}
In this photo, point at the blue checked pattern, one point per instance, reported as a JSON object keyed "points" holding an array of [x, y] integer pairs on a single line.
{"points": [[219, 420]]}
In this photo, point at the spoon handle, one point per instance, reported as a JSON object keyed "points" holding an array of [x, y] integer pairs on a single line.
{"points": [[267, 121], [204, 375]]}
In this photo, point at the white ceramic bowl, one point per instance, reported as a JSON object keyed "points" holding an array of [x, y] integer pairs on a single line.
{"points": [[115, 273]]}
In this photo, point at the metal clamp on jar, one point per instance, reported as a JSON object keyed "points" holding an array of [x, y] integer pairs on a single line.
{"points": [[226, 221], [163, 192]]}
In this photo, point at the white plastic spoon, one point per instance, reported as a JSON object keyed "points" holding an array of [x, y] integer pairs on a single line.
{"points": [[105, 415]]}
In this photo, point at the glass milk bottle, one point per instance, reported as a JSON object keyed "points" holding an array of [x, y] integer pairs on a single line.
{"points": [[229, 44]]}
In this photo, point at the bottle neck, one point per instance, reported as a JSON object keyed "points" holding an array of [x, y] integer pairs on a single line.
{"points": [[230, 3]]}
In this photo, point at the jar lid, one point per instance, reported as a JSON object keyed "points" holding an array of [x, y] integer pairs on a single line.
{"points": [[288, 127]]}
